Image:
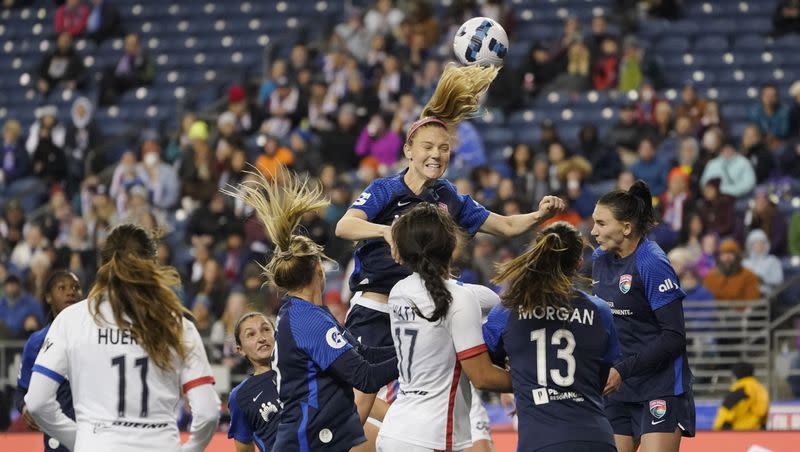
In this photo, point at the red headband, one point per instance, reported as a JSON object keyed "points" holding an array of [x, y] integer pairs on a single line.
{"points": [[423, 122]]}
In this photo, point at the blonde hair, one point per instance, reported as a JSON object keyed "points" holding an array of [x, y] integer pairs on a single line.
{"points": [[280, 204], [141, 294], [458, 92]]}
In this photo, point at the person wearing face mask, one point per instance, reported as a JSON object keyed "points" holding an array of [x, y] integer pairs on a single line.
{"points": [[160, 178]]}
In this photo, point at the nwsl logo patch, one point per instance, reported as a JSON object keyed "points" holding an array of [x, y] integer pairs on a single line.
{"points": [[625, 282], [658, 408]]}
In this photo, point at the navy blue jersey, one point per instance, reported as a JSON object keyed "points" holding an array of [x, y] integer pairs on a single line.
{"points": [[386, 199], [319, 412], [63, 395], [255, 408], [559, 361], [635, 287]]}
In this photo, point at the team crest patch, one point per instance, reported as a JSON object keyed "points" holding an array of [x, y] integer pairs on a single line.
{"points": [[625, 282], [658, 408]]}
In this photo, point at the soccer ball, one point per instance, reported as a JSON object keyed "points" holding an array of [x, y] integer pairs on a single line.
{"points": [[481, 41]]}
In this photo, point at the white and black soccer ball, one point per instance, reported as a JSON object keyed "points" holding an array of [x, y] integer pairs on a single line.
{"points": [[481, 41]]}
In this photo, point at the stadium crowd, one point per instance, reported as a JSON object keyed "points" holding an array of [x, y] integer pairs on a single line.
{"points": [[340, 112]]}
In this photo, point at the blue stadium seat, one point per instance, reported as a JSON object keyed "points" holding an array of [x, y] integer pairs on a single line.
{"points": [[749, 42], [673, 44], [498, 135], [719, 26], [735, 111], [684, 28], [713, 43]]}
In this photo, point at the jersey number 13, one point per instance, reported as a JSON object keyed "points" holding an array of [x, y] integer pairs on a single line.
{"points": [[539, 337]]}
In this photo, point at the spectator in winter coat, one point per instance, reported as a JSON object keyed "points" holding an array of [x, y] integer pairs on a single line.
{"points": [[62, 66], [734, 171], [746, 405], [649, 168], [104, 21], [71, 17], [133, 69], [729, 280], [718, 211], [379, 141], [754, 149], [16, 163], [769, 115], [767, 267], [46, 141]]}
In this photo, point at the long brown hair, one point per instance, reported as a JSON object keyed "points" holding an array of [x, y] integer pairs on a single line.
{"points": [[426, 237], [140, 289], [544, 274], [280, 203]]}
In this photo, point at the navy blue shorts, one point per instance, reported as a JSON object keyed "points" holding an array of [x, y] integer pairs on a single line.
{"points": [[661, 415], [370, 326]]}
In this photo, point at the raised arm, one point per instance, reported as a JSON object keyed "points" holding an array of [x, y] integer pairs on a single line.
{"points": [[513, 225], [355, 226]]}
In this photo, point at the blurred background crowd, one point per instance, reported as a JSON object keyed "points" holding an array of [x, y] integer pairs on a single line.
{"points": [[139, 111]]}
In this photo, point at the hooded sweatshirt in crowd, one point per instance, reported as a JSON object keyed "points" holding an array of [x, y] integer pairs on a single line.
{"points": [[767, 267]]}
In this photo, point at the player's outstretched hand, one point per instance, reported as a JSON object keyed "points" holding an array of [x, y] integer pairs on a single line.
{"points": [[508, 403], [551, 205], [387, 235], [26, 416], [613, 382]]}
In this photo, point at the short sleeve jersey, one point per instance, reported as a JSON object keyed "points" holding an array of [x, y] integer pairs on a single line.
{"points": [[255, 408], [635, 287], [121, 397], [386, 199], [319, 409], [559, 361], [434, 398]]}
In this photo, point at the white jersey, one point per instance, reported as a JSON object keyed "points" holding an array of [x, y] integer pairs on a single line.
{"points": [[433, 402], [122, 400]]}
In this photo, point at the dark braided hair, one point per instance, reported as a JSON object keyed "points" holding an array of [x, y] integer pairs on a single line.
{"points": [[426, 237], [634, 205]]}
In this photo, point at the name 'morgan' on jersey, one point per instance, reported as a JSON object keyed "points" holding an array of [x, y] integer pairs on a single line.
{"points": [[386, 199], [559, 359]]}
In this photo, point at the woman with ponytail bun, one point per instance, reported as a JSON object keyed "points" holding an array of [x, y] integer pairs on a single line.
{"points": [[317, 363], [554, 335], [650, 401], [436, 327]]}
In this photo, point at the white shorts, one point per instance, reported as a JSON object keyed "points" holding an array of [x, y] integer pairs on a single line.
{"points": [[384, 444], [478, 418]]}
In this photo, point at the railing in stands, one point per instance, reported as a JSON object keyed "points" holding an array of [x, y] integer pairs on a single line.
{"points": [[722, 333]]}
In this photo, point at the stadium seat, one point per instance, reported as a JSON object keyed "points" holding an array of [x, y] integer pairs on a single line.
{"points": [[673, 44], [711, 43]]}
